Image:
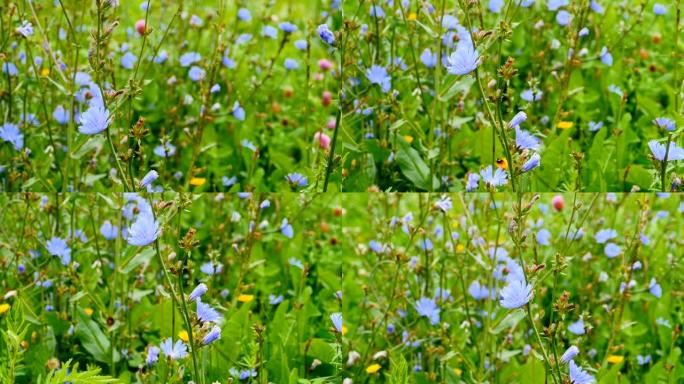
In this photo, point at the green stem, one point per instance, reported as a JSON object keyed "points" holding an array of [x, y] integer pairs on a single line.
{"points": [[541, 345]]}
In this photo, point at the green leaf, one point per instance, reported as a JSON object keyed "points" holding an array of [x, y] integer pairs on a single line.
{"points": [[143, 257], [460, 85], [510, 321], [94, 340], [398, 373], [414, 168], [94, 143]]}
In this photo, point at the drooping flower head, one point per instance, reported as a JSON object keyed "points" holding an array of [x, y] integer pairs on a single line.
{"points": [[199, 290], [569, 354], [532, 163], [213, 335]]}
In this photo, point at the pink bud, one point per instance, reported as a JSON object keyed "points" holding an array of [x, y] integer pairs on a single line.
{"points": [[318, 76], [558, 202], [323, 140], [140, 26], [331, 123], [324, 64], [327, 98]]}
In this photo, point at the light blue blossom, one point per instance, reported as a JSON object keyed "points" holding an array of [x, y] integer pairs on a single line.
{"points": [[152, 355], [61, 115], [207, 314], [58, 247], [269, 31], [94, 120], [665, 123], [577, 327], [428, 58], [494, 177], [530, 95], [213, 335], [128, 60], [149, 178], [495, 6], [238, 112], [109, 231], [287, 27], [10, 133], [174, 351], [326, 34], [199, 290], [244, 14], [543, 236], [659, 151], [516, 294], [165, 150], [605, 234], [197, 74], [578, 375], [569, 354], [286, 229], [659, 9], [655, 288], [145, 230], [26, 29], [189, 58], [612, 250], [336, 319], [593, 127], [427, 307], [563, 18], [463, 61], [606, 57], [378, 75], [532, 163], [472, 182]]}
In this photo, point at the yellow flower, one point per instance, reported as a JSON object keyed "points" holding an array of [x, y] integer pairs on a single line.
{"points": [[4, 307], [460, 248], [88, 311], [245, 298], [615, 359], [183, 335], [412, 16], [458, 372], [502, 163], [565, 124], [45, 72], [408, 138], [344, 330], [373, 368], [197, 181]]}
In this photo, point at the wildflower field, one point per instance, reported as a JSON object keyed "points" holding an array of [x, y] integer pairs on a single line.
{"points": [[406, 95], [119, 281], [576, 288]]}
